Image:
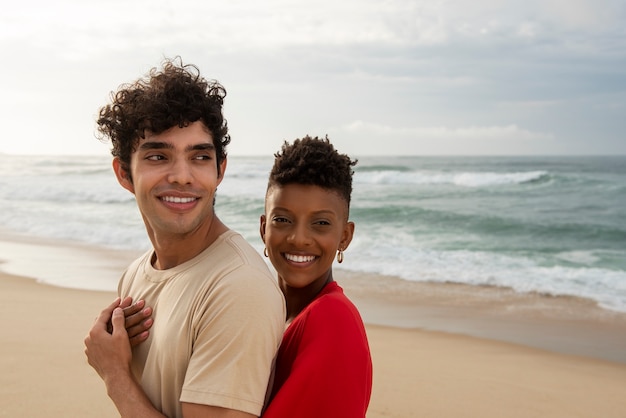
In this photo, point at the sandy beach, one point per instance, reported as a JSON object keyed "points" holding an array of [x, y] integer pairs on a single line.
{"points": [[438, 351]]}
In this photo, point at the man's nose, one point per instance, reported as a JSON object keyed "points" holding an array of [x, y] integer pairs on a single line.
{"points": [[180, 172]]}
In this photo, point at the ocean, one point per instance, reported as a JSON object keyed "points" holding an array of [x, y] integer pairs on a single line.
{"points": [[550, 225]]}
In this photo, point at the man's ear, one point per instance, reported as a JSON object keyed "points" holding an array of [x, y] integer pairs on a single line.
{"points": [[123, 176], [222, 169]]}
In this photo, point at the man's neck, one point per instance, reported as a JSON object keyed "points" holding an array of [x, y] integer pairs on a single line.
{"points": [[172, 251]]}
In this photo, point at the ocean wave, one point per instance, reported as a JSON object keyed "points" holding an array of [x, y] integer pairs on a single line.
{"points": [[499, 230], [54, 166], [75, 190], [552, 226], [464, 179], [496, 179], [520, 273], [382, 167]]}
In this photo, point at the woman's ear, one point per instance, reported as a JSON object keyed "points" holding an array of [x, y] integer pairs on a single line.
{"points": [[123, 175], [262, 223], [346, 235]]}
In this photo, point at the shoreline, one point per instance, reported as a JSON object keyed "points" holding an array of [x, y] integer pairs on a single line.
{"points": [[562, 324]]}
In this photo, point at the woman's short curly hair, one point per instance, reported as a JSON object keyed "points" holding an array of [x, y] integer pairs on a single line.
{"points": [[176, 95], [313, 161]]}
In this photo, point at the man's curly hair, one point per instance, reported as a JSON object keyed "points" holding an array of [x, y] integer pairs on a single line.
{"points": [[313, 161], [177, 95]]}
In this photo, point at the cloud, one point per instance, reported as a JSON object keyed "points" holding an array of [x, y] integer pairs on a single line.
{"points": [[504, 133], [518, 74], [362, 138]]}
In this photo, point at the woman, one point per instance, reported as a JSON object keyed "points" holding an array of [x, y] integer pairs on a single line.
{"points": [[323, 366]]}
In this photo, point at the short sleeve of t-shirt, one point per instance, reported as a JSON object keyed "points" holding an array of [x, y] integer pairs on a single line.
{"points": [[229, 366]]}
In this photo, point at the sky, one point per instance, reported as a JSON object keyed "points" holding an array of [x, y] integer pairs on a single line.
{"points": [[379, 77]]}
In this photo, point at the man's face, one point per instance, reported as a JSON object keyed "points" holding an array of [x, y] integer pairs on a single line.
{"points": [[174, 179]]}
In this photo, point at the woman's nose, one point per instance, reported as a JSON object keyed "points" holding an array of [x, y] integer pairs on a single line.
{"points": [[299, 236]]}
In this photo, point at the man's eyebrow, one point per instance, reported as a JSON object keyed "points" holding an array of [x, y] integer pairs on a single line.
{"points": [[205, 146], [150, 145], [155, 145]]}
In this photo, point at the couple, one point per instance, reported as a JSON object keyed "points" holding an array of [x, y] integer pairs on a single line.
{"points": [[208, 331]]}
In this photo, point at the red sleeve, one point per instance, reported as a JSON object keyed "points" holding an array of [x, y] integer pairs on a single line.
{"points": [[331, 374]]}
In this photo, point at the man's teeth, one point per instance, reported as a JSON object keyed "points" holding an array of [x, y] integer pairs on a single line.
{"points": [[173, 199], [299, 258]]}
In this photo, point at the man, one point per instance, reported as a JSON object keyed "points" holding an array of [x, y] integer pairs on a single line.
{"points": [[218, 313]]}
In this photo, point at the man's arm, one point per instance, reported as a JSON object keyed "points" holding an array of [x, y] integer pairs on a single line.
{"points": [[192, 410], [108, 351]]}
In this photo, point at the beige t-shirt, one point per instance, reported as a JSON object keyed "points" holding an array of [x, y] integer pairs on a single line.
{"points": [[218, 322]]}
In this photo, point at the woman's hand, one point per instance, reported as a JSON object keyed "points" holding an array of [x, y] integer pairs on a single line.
{"points": [[138, 320], [107, 349]]}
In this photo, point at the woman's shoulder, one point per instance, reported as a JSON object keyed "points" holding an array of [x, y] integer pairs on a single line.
{"points": [[334, 306]]}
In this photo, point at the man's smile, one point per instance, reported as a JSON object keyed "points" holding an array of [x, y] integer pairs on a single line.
{"points": [[174, 199]]}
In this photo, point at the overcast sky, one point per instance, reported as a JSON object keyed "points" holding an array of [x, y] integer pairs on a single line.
{"points": [[379, 77]]}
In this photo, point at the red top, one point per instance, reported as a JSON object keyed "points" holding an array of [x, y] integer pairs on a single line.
{"points": [[323, 366]]}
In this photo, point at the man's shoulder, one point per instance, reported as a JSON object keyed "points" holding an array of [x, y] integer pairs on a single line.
{"points": [[232, 257], [234, 247]]}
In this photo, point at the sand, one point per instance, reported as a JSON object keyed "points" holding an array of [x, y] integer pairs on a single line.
{"points": [[438, 351]]}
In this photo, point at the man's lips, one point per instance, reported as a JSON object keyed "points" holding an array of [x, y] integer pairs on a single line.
{"points": [[176, 199]]}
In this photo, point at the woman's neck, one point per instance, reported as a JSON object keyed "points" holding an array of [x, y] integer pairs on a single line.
{"points": [[297, 299]]}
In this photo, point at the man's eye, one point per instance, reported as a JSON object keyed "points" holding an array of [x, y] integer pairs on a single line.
{"points": [[202, 157], [280, 219], [155, 157]]}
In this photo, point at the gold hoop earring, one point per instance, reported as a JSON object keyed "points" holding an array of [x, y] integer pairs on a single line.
{"points": [[340, 256], [265, 252]]}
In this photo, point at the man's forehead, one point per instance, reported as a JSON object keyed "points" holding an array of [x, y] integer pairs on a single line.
{"points": [[192, 136]]}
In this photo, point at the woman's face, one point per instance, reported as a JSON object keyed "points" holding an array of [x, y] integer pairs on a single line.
{"points": [[303, 227]]}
